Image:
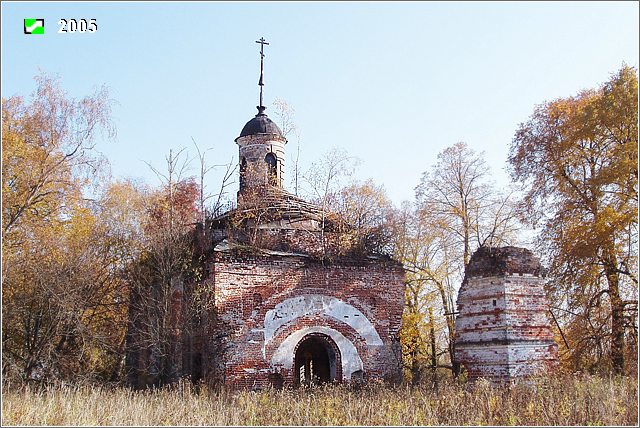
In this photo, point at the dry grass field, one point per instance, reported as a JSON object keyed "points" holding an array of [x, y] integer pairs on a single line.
{"points": [[576, 400]]}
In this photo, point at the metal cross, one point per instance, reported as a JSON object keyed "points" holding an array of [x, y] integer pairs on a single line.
{"points": [[262, 42]]}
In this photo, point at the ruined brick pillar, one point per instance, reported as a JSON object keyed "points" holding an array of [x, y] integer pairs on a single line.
{"points": [[502, 329]]}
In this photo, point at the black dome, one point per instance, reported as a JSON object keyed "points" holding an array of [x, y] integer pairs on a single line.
{"points": [[261, 124]]}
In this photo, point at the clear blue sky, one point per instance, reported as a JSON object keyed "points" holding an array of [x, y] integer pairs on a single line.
{"points": [[392, 83]]}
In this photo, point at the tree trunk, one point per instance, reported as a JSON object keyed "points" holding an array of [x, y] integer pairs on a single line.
{"points": [[434, 356], [451, 327], [617, 311]]}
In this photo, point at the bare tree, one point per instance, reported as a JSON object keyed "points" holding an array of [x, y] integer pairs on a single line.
{"points": [[285, 116], [157, 304], [457, 211], [170, 306], [203, 170], [295, 175], [324, 178]]}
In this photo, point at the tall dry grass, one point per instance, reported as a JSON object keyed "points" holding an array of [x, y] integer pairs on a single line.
{"points": [[577, 400]]}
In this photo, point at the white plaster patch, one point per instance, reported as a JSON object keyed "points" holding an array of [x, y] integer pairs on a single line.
{"points": [[284, 355], [288, 310]]}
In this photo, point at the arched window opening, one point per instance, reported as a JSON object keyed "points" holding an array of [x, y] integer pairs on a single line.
{"points": [[272, 165], [243, 171]]}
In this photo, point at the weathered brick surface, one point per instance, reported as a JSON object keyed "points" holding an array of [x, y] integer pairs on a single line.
{"points": [[497, 261], [253, 149], [502, 329], [269, 301]]}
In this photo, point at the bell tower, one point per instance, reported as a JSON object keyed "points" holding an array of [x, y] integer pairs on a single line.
{"points": [[261, 148]]}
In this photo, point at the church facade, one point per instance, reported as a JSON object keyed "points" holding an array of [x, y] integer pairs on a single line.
{"points": [[291, 300], [297, 308]]}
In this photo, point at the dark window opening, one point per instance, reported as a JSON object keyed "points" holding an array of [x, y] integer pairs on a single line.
{"points": [[243, 171], [494, 302], [272, 165]]}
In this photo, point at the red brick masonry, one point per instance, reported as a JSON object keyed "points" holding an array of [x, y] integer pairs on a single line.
{"points": [[502, 329], [270, 301]]}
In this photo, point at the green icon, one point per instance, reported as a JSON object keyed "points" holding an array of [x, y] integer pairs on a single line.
{"points": [[33, 26]]}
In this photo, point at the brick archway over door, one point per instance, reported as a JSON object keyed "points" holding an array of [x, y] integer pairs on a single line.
{"points": [[317, 359]]}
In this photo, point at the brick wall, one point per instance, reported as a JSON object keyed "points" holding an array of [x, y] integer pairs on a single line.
{"points": [[502, 329], [254, 148], [269, 302]]}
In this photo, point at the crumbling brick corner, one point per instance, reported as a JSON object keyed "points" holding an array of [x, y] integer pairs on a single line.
{"points": [[502, 329]]}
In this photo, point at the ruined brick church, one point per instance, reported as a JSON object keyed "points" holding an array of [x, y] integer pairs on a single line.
{"points": [[292, 301], [287, 296]]}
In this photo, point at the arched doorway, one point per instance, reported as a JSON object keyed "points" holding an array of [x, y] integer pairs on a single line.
{"points": [[317, 360]]}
